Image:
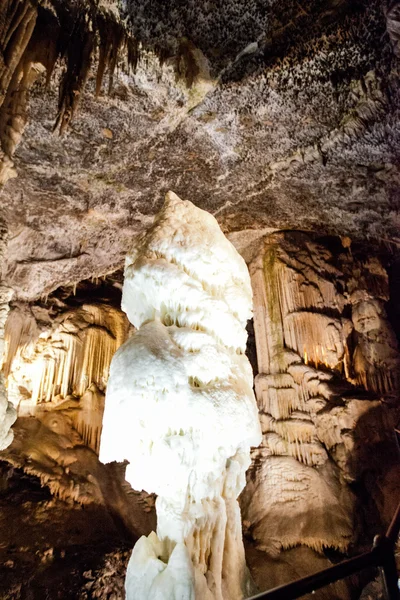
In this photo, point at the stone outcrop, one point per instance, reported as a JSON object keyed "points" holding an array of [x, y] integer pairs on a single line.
{"points": [[327, 392]]}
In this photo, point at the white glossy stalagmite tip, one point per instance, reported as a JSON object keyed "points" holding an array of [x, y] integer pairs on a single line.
{"points": [[180, 406]]}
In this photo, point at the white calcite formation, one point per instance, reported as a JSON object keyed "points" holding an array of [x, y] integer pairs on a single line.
{"points": [[7, 411], [180, 406]]}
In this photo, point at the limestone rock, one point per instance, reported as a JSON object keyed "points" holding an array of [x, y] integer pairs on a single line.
{"points": [[296, 130], [180, 406], [51, 358], [327, 393], [7, 411]]}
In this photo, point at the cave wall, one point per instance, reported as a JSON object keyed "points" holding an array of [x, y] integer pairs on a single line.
{"points": [[51, 355], [300, 120], [7, 412], [57, 357], [293, 107], [327, 387], [325, 475], [58, 353], [325, 478]]}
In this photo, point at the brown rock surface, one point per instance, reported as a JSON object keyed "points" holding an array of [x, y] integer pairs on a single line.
{"points": [[290, 121], [327, 414], [270, 115]]}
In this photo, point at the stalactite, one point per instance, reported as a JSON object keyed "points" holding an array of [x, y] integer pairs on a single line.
{"points": [[38, 54], [323, 345], [32, 38], [112, 37], [187, 67], [65, 360], [16, 28], [375, 363], [78, 56], [311, 454], [88, 419], [17, 22], [20, 333], [299, 428]]}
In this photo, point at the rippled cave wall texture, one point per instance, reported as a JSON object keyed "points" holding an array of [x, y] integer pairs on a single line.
{"points": [[325, 475], [278, 118], [57, 358], [284, 114]]}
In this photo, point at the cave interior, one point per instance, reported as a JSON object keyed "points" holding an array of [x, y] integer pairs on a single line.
{"points": [[280, 122]]}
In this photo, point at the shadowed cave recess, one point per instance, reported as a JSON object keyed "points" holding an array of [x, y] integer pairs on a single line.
{"points": [[280, 119]]}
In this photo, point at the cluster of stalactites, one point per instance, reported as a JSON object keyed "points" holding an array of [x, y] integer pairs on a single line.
{"points": [[325, 348], [71, 364], [32, 39], [34, 36], [289, 404], [309, 342], [75, 353], [307, 299]]}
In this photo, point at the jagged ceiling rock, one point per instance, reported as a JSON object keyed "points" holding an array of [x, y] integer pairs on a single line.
{"points": [[290, 120]]}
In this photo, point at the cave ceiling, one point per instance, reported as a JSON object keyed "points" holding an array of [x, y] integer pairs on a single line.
{"points": [[269, 114]]}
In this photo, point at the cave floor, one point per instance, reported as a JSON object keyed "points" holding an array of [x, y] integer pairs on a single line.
{"points": [[51, 549], [48, 548]]}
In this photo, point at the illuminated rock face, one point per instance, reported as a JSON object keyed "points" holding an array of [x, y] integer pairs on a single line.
{"points": [[327, 391], [61, 356], [7, 412], [55, 363], [54, 367], [180, 406], [48, 362]]}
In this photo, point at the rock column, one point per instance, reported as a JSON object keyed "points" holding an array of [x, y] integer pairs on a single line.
{"points": [[180, 406]]}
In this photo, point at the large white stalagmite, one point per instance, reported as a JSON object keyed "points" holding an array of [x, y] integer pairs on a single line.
{"points": [[180, 406]]}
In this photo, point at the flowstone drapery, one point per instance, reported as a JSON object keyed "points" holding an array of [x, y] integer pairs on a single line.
{"points": [[180, 406], [327, 391], [51, 357]]}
